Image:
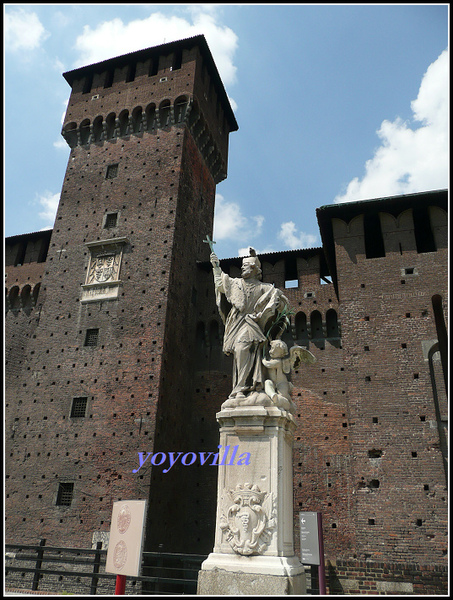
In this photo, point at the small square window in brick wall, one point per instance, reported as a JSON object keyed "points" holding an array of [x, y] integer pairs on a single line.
{"points": [[91, 337], [112, 171], [111, 220], [65, 491], [79, 407]]}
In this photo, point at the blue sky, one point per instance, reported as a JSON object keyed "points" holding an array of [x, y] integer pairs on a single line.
{"points": [[334, 103]]}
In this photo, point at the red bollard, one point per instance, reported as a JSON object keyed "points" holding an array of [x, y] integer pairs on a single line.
{"points": [[120, 586]]}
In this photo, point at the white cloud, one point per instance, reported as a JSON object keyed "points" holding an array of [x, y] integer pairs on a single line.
{"points": [[411, 159], [114, 38], [60, 144], [49, 203], [23, 31], [231, 224], [294, 239]]}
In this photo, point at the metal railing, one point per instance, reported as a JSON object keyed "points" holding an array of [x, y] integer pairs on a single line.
{"points": [[162, 572]]}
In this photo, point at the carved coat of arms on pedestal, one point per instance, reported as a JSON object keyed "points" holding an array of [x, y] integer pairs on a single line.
{"points": [[248, 519]]}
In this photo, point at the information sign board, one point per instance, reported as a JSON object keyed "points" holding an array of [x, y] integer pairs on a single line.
{"points": [[126, 538], [309, 539]]}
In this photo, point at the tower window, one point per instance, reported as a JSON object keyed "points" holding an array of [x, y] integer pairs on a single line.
{"points": [[112, 171], [177, 60], [111, 220], [65, 492], [78, 408], [154, 66], [91, 337], [87, 84], [374, 242], [108, 79], [131, 73], [423, 232]]}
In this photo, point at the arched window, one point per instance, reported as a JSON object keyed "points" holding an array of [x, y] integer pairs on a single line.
{"points": [[137, 119], [214, 334], [25, 296], [150, 117], [332, 324], [36, 293], [85, 132], [14, 298], [97, 129], [165, 113], [316, 325], [111, 124], [124, 122], [180, 109], [301, 327], [70, 134]]}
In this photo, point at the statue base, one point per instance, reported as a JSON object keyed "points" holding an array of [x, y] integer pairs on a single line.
{"points": [[253, 550], [223, 583]]}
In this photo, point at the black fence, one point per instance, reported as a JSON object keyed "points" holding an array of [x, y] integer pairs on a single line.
{"points": [[79, 571]]}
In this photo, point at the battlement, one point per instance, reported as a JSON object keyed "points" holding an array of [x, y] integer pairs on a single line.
{"points": [[150, 90], [401, 225]]}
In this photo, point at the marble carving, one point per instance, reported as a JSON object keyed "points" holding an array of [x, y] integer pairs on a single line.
{"points": [[248, 518], [255, 315]]}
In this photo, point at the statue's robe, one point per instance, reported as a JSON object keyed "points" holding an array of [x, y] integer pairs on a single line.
{"points": [[246, 306]]}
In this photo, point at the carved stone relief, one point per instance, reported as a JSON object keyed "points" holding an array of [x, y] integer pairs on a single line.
{"points": [[103, 268], [248, 518], [103, 275]]}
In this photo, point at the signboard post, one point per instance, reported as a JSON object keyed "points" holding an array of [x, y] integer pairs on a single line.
{"points": [[120, 586], [312, 544], [126, 541]]}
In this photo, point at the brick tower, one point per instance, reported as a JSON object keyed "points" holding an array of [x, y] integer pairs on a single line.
{"points": [[106, 368]]}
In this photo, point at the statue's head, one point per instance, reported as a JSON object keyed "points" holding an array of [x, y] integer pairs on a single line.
{"points": [[278, 349], [251, 266]]}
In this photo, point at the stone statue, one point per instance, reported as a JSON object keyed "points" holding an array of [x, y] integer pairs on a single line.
{"points": [[249, 308], [253, 549]]}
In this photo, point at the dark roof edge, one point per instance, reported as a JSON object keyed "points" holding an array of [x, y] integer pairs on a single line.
{"points": [[279, 252], [42, 232], [375, 201], [272, 257], [200, 39]]}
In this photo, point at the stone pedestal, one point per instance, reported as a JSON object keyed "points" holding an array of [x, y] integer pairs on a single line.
{"points": [[253, 551]]}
